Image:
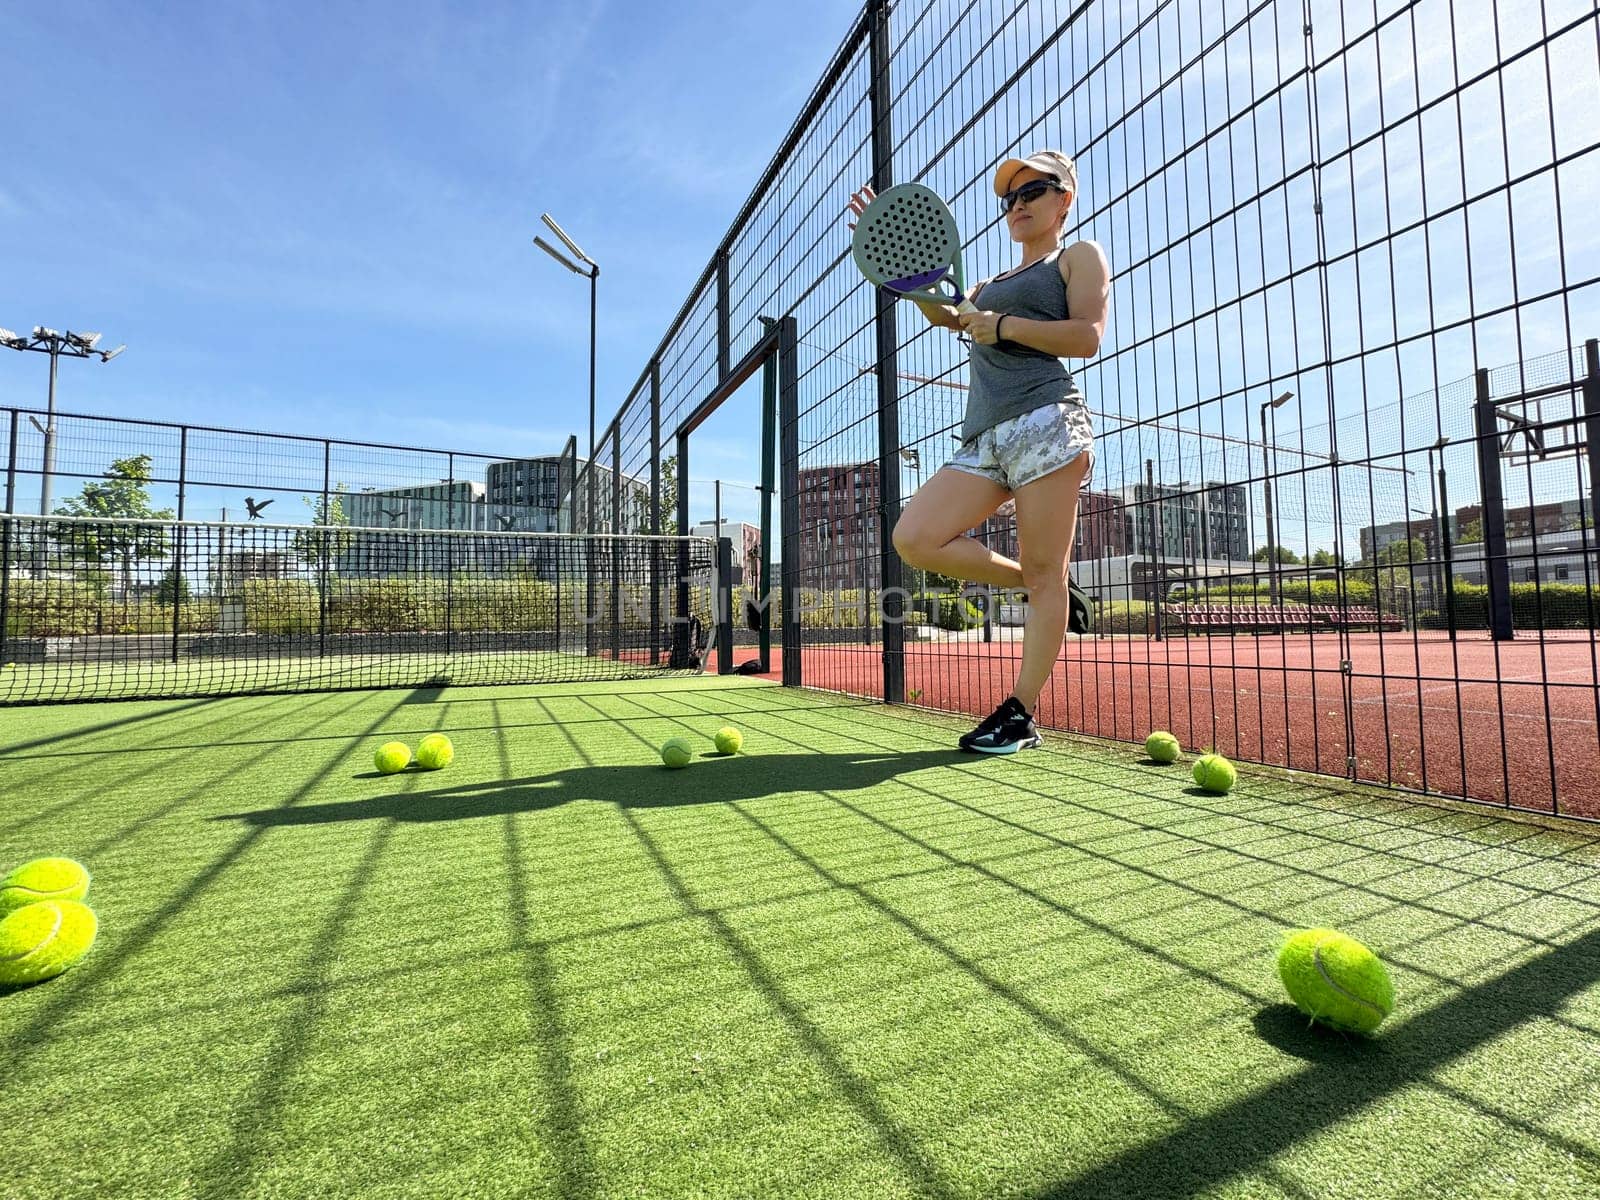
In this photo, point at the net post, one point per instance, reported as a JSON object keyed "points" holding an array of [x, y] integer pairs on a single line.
{"points": [[789, 454], [722, 607], [1497, 568]]}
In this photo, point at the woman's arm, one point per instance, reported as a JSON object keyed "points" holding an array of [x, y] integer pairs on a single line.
{"points": [[1088, 279]]}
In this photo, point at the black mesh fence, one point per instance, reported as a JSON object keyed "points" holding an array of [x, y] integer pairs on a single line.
{"points": [[1323, 220]]}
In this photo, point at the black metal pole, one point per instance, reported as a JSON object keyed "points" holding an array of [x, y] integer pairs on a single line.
{"points": [[891, 570], [1497, 566], [769, 422], [588, 540], [616, 544], [322, 555], [681, 645], [450, 551], [723, 605], [655, 511], [6, 539], [177, 552], [789, 454], [1444, 552], [49, 437], [1591, 412], [1155, 542]]}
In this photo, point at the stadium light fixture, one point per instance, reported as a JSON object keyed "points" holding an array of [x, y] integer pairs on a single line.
{"points": [[70, 345]]}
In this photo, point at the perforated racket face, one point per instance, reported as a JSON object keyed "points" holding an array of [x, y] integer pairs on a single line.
{"points": [[907, 240]]}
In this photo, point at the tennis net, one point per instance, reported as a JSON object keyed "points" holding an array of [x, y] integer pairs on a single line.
{"points": [[131, 609]]}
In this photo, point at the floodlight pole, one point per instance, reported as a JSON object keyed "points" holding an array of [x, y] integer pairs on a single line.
{"points": [[1266, 474], [55, 344], [593, 273]]}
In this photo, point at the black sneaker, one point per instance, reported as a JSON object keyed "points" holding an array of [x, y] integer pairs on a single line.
{"points": [[1006, 730]]}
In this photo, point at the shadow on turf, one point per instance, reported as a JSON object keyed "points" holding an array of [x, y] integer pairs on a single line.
{"points": [[1342, 1077], [716, 779]]}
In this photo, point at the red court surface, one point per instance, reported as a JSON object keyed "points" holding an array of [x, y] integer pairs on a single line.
{"points": [[1510, 722]]}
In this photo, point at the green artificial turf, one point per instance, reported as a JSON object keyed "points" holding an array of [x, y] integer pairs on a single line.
{"points": [[849, 962]]}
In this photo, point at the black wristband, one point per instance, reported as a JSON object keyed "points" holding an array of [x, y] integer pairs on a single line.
{"points": [[1001, 320]]}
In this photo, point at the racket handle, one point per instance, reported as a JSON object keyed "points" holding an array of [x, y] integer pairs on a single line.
{"points": [[966, 306]]}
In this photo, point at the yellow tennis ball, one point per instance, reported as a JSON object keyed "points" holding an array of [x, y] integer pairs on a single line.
{"points": [[1215, 773], [1334, 979], [43, 879], [1163, 747], [729, 740], [676, 752], [392, 757], [41, 940], [434, 752]]}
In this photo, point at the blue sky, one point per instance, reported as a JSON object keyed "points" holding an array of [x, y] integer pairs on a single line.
{"points": [[318, 219]]}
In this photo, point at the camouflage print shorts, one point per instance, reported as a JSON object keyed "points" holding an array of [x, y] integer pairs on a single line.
{"points": [[1029, 447]]}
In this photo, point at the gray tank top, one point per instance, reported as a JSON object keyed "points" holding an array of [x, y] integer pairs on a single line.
{"points": [[1008, 378]]}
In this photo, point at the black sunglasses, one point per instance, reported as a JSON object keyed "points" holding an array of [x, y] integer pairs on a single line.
{"points": [[1028, 193]]}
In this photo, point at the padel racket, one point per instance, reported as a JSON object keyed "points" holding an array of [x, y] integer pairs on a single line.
{"points": [[906, 242]]}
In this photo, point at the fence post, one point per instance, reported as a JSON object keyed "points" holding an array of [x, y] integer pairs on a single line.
{"points": [[724, 322], [722, 607], [655, 511], [322, 555], [1497, 567], [681, 645], [1591, 413], [616, 541], [789, 455], [177, 554], [769, 476], [6, 539], [1444, 543], [891, 571], [450, 552]]}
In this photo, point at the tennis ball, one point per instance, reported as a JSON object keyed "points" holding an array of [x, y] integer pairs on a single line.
{"points": [[43, 879], [1336, 980], [1214, 773], [729, 740], [392, 757], [39, 941], [1163, 747], [434, 752], [676, 752]]}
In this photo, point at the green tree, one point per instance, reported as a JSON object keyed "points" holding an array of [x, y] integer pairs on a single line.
{"points": [[640, 519], [1324, 558], [1409, 552], [326, 537], [1281, 554], [1470, 531], [122, 496], [174, 588]]}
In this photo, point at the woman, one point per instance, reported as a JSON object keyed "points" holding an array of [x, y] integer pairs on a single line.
{"points": [[1027, 435]]}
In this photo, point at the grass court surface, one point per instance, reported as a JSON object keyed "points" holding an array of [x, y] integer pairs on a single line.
{"points": [[848, 962]]}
